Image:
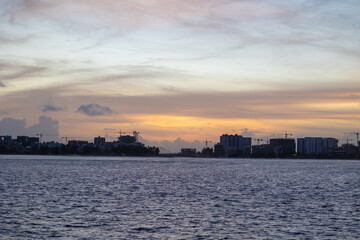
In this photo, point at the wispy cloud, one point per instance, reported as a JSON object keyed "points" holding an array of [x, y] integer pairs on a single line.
{"points": [[95, 110], [52, 108], [109, 129], [18, 71]]}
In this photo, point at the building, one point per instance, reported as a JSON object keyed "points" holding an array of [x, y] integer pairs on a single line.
{"points": [[5, 138], [315, 146], [76, 146], [27, 141], [188, 151], [262, 151], [283, 147], [219, 150], [236, 145], [99, 141], [22, 139], [127, 139]]}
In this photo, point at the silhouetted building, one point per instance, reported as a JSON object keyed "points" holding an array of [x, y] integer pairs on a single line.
{"points": [[77, 146], [5, 144], [5, 138], [207, 152], [33, 139], [219, 150], [283, 147], [31, 145], [350, 150], [99, 141], [22, 139], [315, 146], [27, 141], [263, 150], [188, 151], [127, 139], [236, 145]]}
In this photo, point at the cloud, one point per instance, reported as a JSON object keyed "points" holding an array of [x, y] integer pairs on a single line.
{"points": [[175, 145], [17, 127], [247, 133], [2, 84], [52, 108], [354, 96], [6, 39], [19, 71], [95, 110], [4, 113], [109, 129]]}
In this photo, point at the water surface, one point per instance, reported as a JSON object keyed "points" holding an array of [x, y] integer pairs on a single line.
{"points": [[158, 198]]}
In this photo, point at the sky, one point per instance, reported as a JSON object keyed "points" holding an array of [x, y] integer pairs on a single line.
{"points": [[179, 72]]}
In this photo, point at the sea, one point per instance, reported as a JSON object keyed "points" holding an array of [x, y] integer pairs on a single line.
{"points": [[79, 197]]}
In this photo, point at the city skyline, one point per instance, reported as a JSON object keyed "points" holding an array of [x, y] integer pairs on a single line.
{"points": [[182, 69]]}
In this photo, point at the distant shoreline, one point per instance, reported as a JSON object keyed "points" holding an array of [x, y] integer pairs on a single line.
{"points": [[176, 156]]}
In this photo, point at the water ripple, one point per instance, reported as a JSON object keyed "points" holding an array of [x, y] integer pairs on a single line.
{"points": [[137, 198]]}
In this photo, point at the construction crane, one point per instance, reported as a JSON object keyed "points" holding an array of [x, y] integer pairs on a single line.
{"points": [[136, 134], [347, 140], [287, 134], [42, 134], [258, 140], [206, 143], [121, 133], [357, 136], [67, 137]]}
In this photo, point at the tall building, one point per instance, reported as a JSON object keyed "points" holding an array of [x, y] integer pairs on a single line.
{"points": [[315, 146], [236, 145]]}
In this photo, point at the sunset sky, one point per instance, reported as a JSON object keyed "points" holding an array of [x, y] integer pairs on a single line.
{"points": [[179, 68]]}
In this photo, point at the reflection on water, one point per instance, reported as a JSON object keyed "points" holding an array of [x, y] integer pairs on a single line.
{"points": [[151, 198]]}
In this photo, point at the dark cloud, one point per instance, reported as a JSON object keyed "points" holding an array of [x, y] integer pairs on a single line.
{"points": [[95, 110], [4, 113], [354, 96], [17, 127], [2, 84], [52, 108]]}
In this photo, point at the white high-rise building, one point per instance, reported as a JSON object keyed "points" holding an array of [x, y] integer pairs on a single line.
{"points": [[236, 145], [315, 145]]}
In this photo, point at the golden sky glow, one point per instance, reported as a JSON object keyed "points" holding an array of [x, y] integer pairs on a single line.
{"points": [[180, 69]]}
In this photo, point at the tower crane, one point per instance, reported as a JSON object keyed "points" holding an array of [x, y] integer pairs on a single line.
{"points": [[287, 134], [206, 143], [121, 133], [67, 138], [258, 140], [357, 136], [136, 134], [42, 134]]}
